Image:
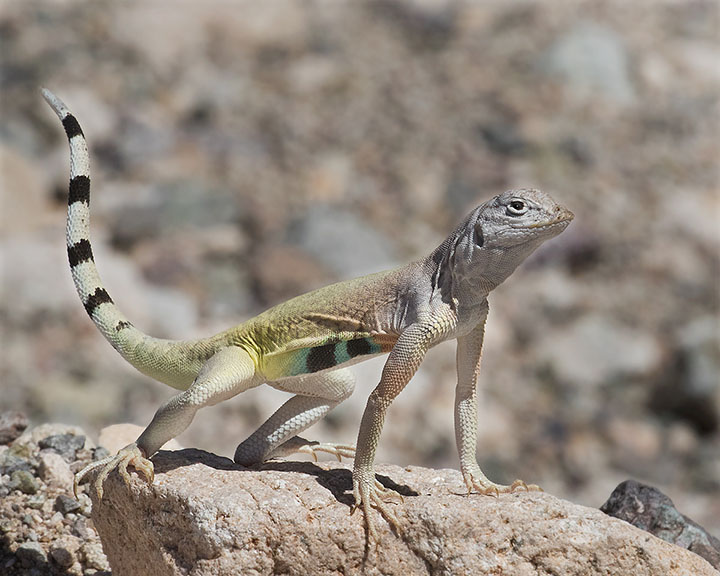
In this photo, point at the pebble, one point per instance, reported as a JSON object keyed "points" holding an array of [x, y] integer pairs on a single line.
{"points": [[31, 554], [100, 452], [64, 444], [592, 59], [62, 557], [357, 248], [54, 470], [36, 502], [63, 551], [12, 424], [594, 350], [10, 463], [24, 481], [66, 504], [94, 557]]}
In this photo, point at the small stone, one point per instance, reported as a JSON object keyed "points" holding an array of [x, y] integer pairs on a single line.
{"points": [[28, 520], [31, 554], [100, 452], [24, 481], [688, 387], [54, 470], [66, 504], [64, 444], [595, 350], [81, 529], [10, 463], [651, 510], [358, 248], [36, 502], [63, 551], [592, 60], [94, 556], [12, 424], [61, 557]]}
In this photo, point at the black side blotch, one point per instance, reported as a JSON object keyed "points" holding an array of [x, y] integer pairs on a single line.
{"points": [[321, 358], [359, 347], [478, 237]]}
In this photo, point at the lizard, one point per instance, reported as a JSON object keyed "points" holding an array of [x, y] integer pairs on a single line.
{"points": [[304, 345]]}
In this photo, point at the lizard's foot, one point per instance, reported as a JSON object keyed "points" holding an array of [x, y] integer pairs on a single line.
{"points": [[299, 444], [477, 481], [337, 450], [369, 494], [131, 455]]}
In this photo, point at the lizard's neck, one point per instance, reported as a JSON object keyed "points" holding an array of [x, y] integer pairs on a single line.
{"points": [[469, 285]]}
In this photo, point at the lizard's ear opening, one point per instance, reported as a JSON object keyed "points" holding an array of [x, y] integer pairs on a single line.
{"points": [[478, 237]]}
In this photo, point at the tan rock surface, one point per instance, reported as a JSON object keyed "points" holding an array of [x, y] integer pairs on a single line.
{"points": [[204, 515], [117, 436]]}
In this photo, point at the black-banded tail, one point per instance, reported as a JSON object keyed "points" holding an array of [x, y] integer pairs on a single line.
{"points": [[174, 362]]}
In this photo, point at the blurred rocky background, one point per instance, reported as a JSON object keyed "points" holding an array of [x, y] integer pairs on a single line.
{"points": [[245, 152]]}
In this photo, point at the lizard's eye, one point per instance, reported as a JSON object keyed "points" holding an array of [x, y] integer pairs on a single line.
{"points": [[517, 208]]}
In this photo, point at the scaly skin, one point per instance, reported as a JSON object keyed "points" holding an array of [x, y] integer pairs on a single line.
{"points": [[303, 345]]}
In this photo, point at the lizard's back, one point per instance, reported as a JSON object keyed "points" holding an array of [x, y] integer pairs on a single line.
{"points": [[328, 327]]}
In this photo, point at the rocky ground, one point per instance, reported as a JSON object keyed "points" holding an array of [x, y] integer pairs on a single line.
{"points": [[203, 514], [244, 153], [44, 530]]}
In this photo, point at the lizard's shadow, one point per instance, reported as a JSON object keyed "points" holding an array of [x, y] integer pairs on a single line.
{"points": [[338, 481]]}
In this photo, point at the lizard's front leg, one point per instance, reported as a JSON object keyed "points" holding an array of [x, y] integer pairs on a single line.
{"points": [[227, 373], [401, 365], [469, 350]]}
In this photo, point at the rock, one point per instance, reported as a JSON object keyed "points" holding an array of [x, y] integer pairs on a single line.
{"points": [[44, 431], [66, 504], [31, 554], [651, 510], [65, 548], [503, 138], [41, 526], [357, 248], [117, 436], [24, 481], [64, 444], [10, 462], [54, 470], [595, 350], [12, 425], [592, 59], [689, 388], [62, 556], [92, 556], [205, 515]]}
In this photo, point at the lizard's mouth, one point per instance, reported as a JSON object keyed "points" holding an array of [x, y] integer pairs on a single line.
{"points": [[564, 217]]}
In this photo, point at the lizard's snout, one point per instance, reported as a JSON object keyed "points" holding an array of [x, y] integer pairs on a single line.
{"points": [[562, 214]]}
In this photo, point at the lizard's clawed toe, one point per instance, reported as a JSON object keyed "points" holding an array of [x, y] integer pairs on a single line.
{"points": [[337, 450], [477, 482], [131, 455], [371, 494]]}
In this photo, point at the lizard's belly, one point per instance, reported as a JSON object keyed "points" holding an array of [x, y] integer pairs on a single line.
{"points": [[324, 357]]}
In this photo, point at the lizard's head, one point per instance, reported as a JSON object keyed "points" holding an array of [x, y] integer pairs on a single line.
{"points": [[498, 235], [519, 217]]}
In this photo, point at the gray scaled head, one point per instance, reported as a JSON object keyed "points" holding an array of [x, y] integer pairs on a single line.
{"points": [[519, 217], [498, 235]]}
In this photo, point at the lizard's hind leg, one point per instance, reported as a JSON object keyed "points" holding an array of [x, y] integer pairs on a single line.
{"points": [[227, 373], [316, 395]]}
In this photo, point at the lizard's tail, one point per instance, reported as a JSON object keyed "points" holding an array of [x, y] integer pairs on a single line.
{"points": [[174, 362]]}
